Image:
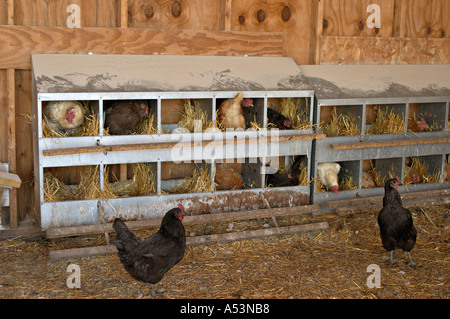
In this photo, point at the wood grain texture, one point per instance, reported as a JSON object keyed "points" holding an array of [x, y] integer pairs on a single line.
{"points": [[428, 18], [247, 16], [186, 15], [19, 42], [348, 18], [98, 13], [391, 143], [380, 50]]}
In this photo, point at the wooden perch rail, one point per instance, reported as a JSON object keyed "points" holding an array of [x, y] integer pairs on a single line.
{"points": [[198, 240], [149, 146], [346, 146], [188, 220]]}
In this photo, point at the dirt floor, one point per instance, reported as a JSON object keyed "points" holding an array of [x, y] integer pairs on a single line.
{"points": [[326, 264]]}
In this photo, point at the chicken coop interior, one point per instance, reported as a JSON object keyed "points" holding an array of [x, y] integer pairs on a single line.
{"points": [[238, 110]]}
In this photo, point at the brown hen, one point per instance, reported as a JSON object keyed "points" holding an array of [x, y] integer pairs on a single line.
{"points": [[122, 117]]}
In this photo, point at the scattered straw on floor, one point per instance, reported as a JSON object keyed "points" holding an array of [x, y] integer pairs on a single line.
{"points": [[327, 264]]}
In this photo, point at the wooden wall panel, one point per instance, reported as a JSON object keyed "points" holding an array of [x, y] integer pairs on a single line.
{"points": [[179, 15], [348, 18], [18, 43], [384, 50], [428, 18], [293, 17], [3, 12], [3, 119], [94, 13], [24, 142]]}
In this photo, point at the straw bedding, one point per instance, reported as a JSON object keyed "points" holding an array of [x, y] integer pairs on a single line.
{"points": [[328, 264]]}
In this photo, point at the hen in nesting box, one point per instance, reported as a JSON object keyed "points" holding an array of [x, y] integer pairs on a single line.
{"points": [[328, 175], [123, 117], [279, 120], [63, 116], [231, 114]]}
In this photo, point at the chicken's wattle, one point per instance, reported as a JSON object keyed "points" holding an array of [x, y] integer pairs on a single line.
{"points": [[70, 115]]}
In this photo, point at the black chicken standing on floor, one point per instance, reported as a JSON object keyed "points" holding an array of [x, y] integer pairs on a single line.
{"points": [[396, 224], [149, 259]]}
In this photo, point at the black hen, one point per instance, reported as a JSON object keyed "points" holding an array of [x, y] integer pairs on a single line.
{"points": [[396, 223], [281, 121], [291, 179], [149, 259]]}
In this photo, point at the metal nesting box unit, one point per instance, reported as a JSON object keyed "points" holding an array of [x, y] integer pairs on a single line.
{"points": [[165, 81], [370, 97]]}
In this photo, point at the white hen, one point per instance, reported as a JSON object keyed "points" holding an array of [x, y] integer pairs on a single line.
{"points": [[64, 115], [328, 175]]}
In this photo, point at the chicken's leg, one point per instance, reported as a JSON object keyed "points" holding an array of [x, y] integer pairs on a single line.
{"points": [[153, 291], [411, 263], [392, 258]]}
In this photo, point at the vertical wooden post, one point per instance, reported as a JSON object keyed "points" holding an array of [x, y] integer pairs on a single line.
{"points": [[123, 24], [399, 28], [11, 101], [403, 19], [124, 13], [317, 30], [227, 26]]}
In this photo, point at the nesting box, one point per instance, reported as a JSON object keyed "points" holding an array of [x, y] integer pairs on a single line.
{"points": [[373, 116], [161, 155]]}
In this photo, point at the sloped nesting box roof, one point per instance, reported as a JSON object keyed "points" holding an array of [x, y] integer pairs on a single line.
{"points": [[377, 81], [64, 73]]}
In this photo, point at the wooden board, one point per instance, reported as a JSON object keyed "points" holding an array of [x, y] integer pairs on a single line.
{"points": [[166, 14], [391, 143], [19, 42], [134, 147], [292, 17], [98, 13], [197, 240], [349, 18], [425, 18], [377, 50], [9, 180]]}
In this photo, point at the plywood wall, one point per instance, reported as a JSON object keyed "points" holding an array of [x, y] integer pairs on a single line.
{"points": [[310, 31]]}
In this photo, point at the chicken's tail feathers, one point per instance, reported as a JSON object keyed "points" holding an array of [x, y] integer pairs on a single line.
{"points": [[125, 239]]}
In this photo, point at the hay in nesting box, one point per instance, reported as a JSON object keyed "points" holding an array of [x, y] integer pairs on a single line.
{"points": [[387, 123], [199, 182], [146, 125], [412, 127], [255, 125], [291, 108], [89, 188], [55, 190], [422, 169], [194, 114], [340, 125], [347, 183], [142, 183]]}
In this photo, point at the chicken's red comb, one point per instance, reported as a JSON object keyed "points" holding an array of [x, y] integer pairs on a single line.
{"points": [[181, 207], [398, 178]]}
